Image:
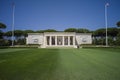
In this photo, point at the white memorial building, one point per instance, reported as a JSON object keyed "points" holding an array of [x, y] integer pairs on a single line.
{"points": [[59, 39]]}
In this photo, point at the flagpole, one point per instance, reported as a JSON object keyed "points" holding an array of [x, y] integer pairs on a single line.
{"points": [[13, 16], [106, 25]]}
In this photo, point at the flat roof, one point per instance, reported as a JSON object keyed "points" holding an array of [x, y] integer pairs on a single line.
{"points": [[59, 33]]}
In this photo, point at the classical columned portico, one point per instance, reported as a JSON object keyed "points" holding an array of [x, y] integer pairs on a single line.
{"points": [[60, 40]]}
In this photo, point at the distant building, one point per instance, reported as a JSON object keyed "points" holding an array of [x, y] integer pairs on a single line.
{"points": [[59, 39]]}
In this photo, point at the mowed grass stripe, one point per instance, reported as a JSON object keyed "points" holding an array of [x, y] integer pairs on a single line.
{"points": [[80, 67], [60, 64], [6, 54], [10, 50], [102, 64], [75, 64], [30, 65]]}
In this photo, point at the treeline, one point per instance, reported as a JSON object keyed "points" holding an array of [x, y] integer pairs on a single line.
{"points": [[98, 35]]}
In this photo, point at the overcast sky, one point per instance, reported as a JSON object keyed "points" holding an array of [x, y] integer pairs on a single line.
{"points": [[59, 14]]}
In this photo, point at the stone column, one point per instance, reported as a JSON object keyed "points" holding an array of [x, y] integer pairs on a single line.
{"points": [[68, 40], [50, 41], [44, 42], [63, 40], [55, 40], [73, 40]]}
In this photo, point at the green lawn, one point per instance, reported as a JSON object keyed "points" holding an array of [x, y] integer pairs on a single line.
{"points": [[60, 64]]}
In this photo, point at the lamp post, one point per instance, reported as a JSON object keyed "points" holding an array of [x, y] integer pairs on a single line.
{"points": [[13, 14], [106, 22]]}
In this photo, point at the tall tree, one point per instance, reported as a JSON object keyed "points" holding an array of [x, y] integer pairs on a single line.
{"points": [[2, 26], [99, 32], [25, 32], [2, 41], [118, 39], [118, 35], [99, 36], [1, 34], [50, 30], [118, 24], [18, 33], [112, 32], [70, 30], [39, 31], [8, 34], [82, 30]]}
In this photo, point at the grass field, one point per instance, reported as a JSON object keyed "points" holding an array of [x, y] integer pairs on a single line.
{"points": [[60, 64]]}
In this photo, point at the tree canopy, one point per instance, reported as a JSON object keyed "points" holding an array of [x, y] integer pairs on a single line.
{"points": [[70, 30], [25, 32], [118, 24], [79, 30], [2, 26], [82, 30], [18, 33], [8, 33], [50, 30], [99, 32], [102, 32]]}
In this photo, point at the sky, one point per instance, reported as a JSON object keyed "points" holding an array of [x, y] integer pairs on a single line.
{"points": [[59, 14]]}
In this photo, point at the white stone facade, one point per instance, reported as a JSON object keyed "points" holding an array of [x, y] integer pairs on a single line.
{"points": [[59, 39]]}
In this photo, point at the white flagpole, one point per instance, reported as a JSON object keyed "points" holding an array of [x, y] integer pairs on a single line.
{"points": [[13, 14], [106, 25]]}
